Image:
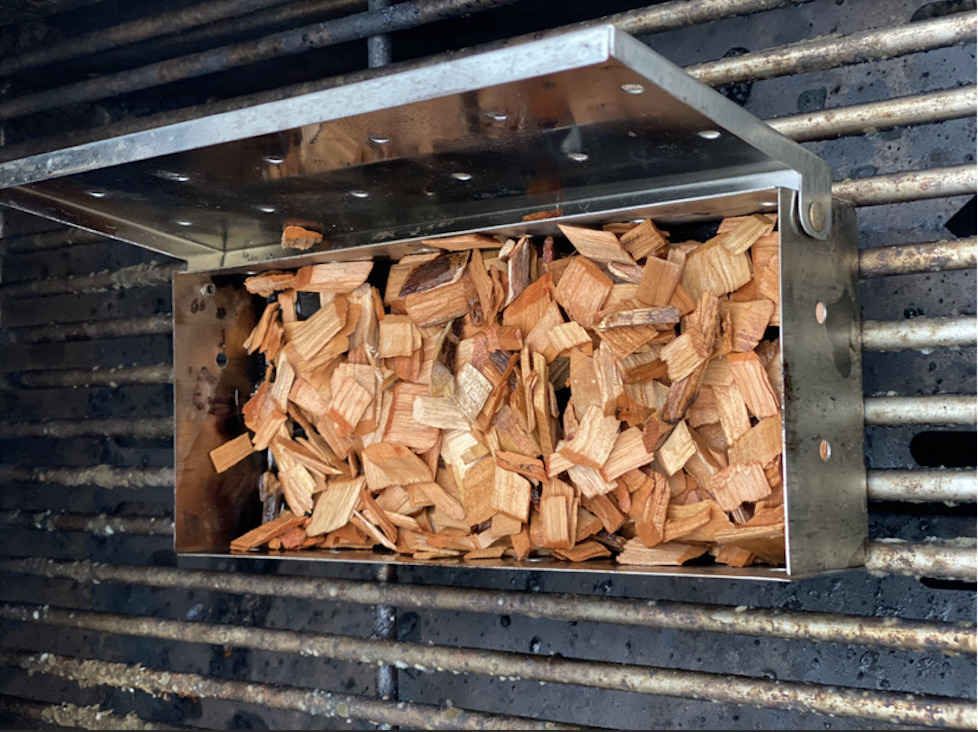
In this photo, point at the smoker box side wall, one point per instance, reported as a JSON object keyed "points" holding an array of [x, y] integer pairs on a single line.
{"points": [[213, 377], [825, 483]]}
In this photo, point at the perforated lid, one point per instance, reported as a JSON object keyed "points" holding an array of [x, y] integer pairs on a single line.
{"points": [[582, 122]]}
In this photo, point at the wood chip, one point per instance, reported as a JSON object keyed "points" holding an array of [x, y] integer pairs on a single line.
{"points": [[594, 440], [711, 268], [471, 392], [334, 506], [761, 443], [269, 282], [297, 237], [398, 336], [286, 521], [659, 281], [444, 500], [386, 465], [627, 454], [685, 354], [232, 452], [312, 335], [570, 335], [511, 494], [596, 245], [652, 508], [677, 449], [555, 513], [643, 240], [738, 483], [748, 320], [660, 318], [747, 231], [349, 403], [589, 481], [582, 290], [440, 413], [753, 383], [401, 426], [443, 303], [341, 277], [673, 553]]}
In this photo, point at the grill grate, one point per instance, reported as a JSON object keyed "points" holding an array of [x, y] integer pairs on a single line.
{"points": [[98, 612]]}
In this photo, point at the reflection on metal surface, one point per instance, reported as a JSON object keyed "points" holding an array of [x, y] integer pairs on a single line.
{"points": [[213, 172]]}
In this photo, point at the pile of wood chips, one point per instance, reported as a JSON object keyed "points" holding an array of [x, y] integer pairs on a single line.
{"points": [[502, 400]]}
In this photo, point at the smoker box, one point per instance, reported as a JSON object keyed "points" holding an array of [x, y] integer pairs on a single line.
{"points": [[592, 124]]}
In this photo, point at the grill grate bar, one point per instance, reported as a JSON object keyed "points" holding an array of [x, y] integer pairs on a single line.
{"points": [[71, 378], [954, 559], [861, 119], [120, 328], [800, 626], [832, 52], [950, 486], [916, 185], [101, 476], [99, 525], [919, 333], [927, 711], [140, 275], [309, 701], [403, 16], [132, 32], [75, 716], [939, 409], [151, 428], [56, 239], [935, 256]]}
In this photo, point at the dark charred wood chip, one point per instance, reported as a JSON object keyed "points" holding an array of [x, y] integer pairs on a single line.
{"points": [[442, 270]]}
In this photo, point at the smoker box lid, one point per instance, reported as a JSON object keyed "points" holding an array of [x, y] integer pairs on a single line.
{"points": [[586, 121]]}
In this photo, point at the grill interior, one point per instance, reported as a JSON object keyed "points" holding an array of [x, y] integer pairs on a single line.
{"points": [[102, 626]]}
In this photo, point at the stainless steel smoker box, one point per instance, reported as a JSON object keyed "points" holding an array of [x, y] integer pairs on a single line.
{"points": [[591, 123]]}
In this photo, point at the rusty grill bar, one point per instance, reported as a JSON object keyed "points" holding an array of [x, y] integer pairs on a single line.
{"points": [[945, 560]]}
